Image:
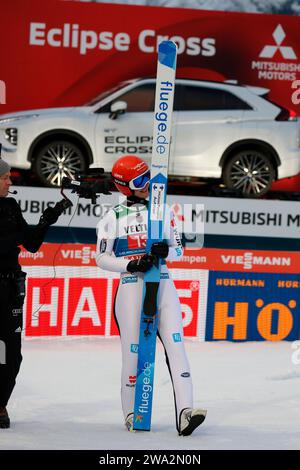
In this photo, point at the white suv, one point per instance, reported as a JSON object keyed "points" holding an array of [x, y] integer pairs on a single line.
{"points": [[220, 130]]}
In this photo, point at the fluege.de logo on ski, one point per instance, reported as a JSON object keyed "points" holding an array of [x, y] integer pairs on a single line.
{"points": [[278, 47], [161, 143], [146, 389]]}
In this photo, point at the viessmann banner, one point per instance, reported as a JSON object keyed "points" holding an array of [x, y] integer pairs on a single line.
{"points": [[232, 295], [60, 53]]}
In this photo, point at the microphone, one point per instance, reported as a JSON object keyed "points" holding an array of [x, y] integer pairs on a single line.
{"points": [[13, 192]]}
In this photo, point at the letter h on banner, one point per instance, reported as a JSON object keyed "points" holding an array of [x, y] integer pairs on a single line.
{"points": [[223, 319], [44, 307]]}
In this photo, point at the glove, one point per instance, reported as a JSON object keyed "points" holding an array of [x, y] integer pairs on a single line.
{"points": [[140, 265], [51, 214], [160, 249]]}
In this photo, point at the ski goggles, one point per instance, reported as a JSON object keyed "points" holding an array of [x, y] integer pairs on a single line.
{"points": [[140, 181]]}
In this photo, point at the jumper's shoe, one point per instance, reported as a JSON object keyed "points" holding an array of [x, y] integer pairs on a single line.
{"points": [[190, 419], [4, 418], [129, 422]]}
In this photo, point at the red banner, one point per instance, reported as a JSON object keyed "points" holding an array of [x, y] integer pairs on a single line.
{"points": [[259, 261], [68, 295], [83, 306], [60, 53], [212, 259]]}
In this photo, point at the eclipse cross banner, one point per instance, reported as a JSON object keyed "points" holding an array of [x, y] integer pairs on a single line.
{"points": [[65, 53]]}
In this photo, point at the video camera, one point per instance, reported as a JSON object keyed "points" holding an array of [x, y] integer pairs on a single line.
{"points": [[89, 185]]}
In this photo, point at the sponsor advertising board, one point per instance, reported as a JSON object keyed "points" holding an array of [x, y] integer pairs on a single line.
{"points": [[253, 306], [78, 301], [233, 295], [219, 291], [96, 46], [194, 215]]}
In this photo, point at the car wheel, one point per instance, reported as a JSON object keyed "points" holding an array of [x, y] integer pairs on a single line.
{"points": [[56, 160], [250, 172]]}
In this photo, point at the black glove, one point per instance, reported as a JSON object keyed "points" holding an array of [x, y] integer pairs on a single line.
{"points": [[51, 214], [160, 249], [140, 265]]}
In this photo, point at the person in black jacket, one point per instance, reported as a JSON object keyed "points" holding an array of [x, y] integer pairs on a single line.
{"points": [[14, 231]]}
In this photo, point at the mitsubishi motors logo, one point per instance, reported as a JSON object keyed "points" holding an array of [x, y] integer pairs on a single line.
{"points": [[269, 51], [277, 61]]}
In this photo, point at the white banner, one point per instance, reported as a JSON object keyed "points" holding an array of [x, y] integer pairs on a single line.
{"points": [[211, 215]]}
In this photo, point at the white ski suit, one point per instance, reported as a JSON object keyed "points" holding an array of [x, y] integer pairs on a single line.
{"points": [[122, 235]]}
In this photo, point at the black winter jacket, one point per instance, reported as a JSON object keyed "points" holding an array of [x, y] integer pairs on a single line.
{"points": [[15, 231]]}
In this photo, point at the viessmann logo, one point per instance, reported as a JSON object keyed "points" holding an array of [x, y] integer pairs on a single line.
{"points": [[85, 255], [248, 260], [277, 47]]}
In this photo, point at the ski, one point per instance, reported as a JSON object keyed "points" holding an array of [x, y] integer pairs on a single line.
{"points": [[164, 97]]}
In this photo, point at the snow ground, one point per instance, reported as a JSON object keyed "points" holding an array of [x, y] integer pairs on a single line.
{"points": [[68, 397]]}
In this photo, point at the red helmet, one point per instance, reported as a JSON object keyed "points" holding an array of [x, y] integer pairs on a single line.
{"points": [[130, 173]]}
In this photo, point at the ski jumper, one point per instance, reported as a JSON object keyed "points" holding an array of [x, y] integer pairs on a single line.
{"points": [[122, 235]]}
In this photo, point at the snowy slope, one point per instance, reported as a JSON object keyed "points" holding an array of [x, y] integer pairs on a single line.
{"points": [[67, 397]]}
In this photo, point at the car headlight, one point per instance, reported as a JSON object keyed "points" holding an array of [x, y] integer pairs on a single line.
{"points": [[17, 118]]}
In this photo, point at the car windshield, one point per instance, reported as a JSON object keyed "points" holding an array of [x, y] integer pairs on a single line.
{"points": [[106, 93]]}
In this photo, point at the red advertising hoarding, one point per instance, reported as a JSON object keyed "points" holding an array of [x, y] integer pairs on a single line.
{"points": [[225, 294], [61, 53]]}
